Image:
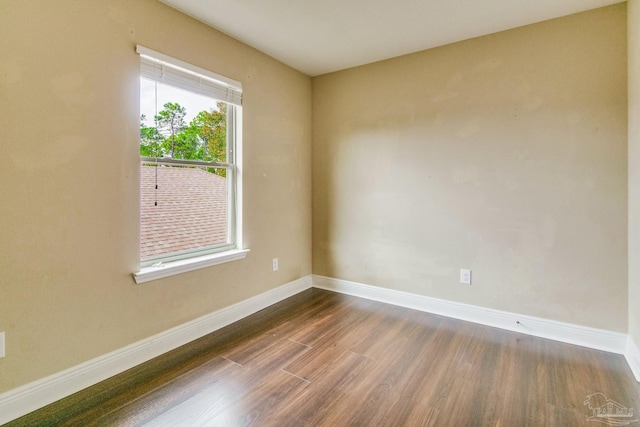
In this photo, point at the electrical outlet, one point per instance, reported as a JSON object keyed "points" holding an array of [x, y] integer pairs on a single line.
{"points": [[2, 353], [465, 276], [275, 264]]}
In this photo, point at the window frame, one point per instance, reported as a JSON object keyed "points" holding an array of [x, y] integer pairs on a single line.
{"points": [[176, 73]]}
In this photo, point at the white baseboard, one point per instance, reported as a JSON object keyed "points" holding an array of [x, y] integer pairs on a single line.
{"points": [[600, 339], [29, 397], [633, 358]]}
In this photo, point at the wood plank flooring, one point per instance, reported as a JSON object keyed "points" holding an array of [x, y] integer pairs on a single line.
{"points": [[325, 359]]}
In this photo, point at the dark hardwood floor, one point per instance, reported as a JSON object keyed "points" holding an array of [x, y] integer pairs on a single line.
{"points": [[325, 359]]}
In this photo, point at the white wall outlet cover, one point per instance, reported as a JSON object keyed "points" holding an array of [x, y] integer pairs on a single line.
{"points": [[465, 276], [275, 264], [2, 352]]}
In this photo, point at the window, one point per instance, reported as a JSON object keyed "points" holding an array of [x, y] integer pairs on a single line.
{"points": [[189, 152]]}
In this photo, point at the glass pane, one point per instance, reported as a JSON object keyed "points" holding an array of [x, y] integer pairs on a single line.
{"points": [[180, 124], [188, 211]]}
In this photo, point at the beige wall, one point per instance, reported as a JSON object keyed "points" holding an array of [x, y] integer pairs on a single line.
{"points": [[505, 154], [633, 21], [69, 180]]}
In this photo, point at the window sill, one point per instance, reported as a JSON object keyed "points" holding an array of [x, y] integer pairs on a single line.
{"points": [[148, 274]]}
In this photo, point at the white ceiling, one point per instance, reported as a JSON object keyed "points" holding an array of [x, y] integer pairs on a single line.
{"points": [[321, 36]]}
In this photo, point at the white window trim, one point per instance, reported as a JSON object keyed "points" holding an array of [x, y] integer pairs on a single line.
{"points": [[161, 270], [155, 272]]}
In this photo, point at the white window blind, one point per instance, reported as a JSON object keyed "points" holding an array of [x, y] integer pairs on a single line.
{"points": [[165, 69]]}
